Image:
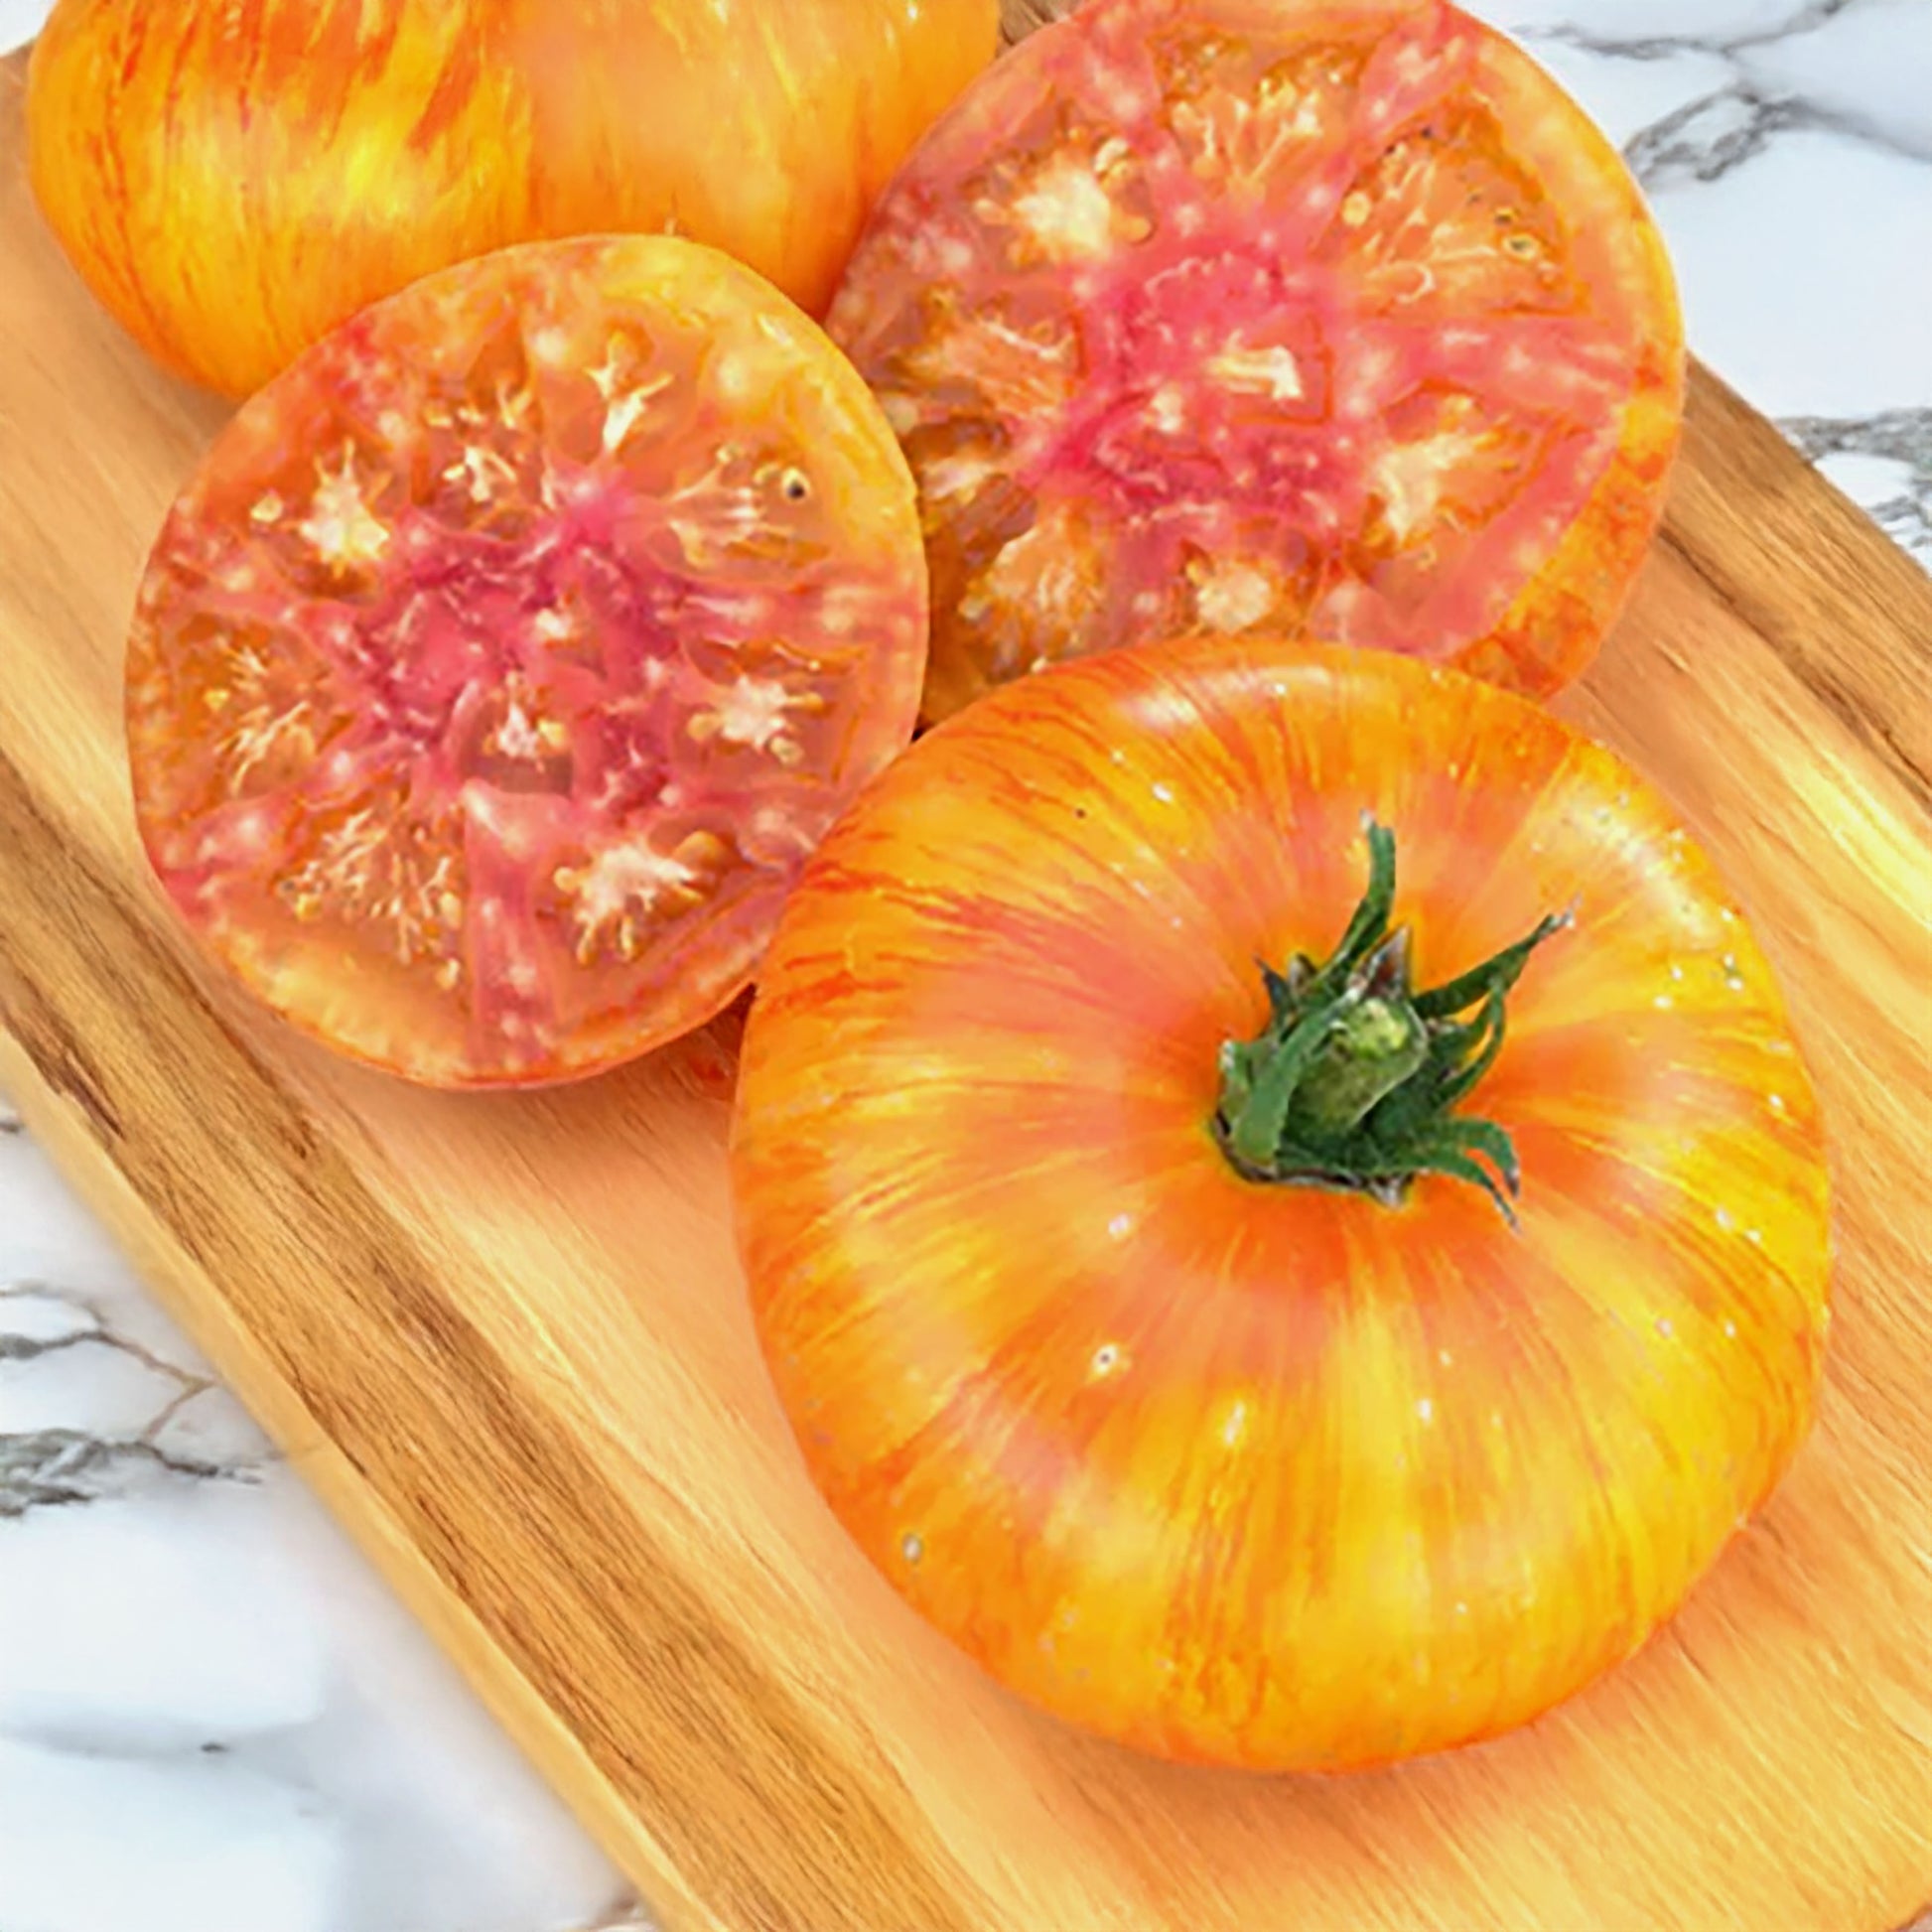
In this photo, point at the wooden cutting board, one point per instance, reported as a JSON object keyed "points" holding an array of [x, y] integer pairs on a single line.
{"points": [[504, 1337]]}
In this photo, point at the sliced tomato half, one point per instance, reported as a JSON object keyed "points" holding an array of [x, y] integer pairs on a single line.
{"points": [[1326, 318], [507, 655]]}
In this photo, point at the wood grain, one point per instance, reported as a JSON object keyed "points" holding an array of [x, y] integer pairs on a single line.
{"points": [[504, 1337]]}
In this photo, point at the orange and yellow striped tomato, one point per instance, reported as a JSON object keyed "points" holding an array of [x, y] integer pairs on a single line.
{"points": [[232, 180], [1178, 1338]]}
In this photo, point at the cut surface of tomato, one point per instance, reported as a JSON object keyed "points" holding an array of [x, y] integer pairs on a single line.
{"points": [[506, 655], [1337, 320], [1149, 1318]]}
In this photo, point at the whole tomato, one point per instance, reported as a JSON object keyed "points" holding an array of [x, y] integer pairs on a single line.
{"points": [[1275, 1289], [232, 179]]}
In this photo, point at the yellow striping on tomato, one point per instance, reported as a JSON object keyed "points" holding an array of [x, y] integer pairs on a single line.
{"points": [[231, 180], [1310, 1435]]}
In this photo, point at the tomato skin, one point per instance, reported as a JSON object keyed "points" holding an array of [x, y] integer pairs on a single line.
{"points": [[505, 655], [231, 180], [1322, 320], [1275, 1477]]}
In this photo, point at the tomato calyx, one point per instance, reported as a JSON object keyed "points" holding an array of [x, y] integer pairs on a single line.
{"points": [[1351, 1082]]}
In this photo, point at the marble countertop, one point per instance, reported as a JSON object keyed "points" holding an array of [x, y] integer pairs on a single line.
{"points": [[213, 1718]]}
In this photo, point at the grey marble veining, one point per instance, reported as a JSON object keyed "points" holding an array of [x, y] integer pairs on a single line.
{"points": [[213, 1719], [1881, 461], [57, 1465], [1787, 149]]}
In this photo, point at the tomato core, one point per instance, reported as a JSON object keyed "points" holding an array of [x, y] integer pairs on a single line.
{"points": [[1351, 1082], [1200, 376]]}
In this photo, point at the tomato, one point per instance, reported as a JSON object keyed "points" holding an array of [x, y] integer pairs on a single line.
{"points": [[507, 654], [1327, 320], [1195, 1302], [233, 180]]}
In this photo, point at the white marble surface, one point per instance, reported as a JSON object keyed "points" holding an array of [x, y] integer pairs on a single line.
{"points": [[1787, 149], [211, 1718]]}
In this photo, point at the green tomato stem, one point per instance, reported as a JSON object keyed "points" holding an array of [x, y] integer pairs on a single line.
{"points": [[1351, 1082]]}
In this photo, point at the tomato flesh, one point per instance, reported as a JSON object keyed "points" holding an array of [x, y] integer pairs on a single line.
{"points": [[508, 654], [1324, 319]]}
